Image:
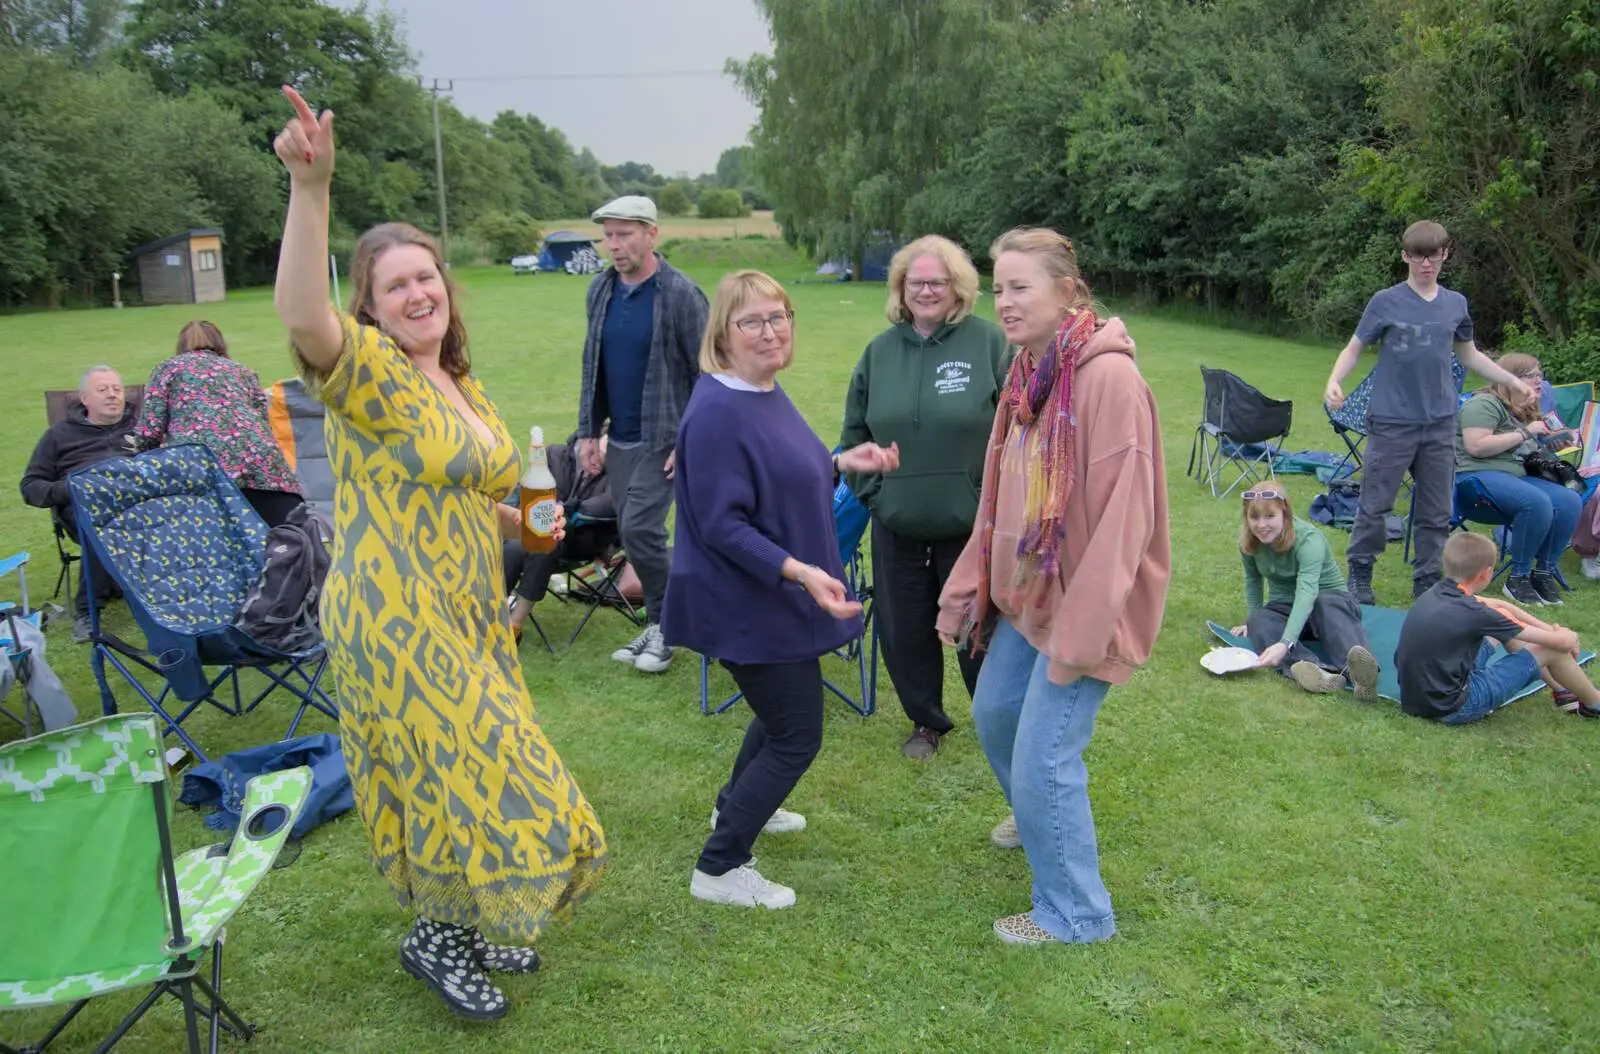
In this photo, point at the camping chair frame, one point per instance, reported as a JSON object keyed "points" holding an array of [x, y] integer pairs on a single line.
{"points": [[861, 650], [298, 673], [1236, 414], [215, 882], [20, 658], [593, 596]]}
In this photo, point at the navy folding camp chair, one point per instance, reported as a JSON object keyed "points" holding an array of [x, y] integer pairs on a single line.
{"points": [[593, 584], [174, 533], [1239, 429], [850, 519]]}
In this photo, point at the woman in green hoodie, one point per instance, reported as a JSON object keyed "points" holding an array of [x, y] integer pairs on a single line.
{"points": [[930, 383]]}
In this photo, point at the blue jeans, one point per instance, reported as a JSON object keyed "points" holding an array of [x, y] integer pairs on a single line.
{"points": [[1034, 734], [1491, 687], [1543, 517]]}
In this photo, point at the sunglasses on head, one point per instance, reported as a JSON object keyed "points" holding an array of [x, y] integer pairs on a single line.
{"points": [[1261, 495]]}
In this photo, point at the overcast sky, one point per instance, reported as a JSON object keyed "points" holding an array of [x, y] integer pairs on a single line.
{"points": [[675, 124]]}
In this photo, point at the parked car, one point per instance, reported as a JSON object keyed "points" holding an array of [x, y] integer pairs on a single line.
{"points": [[528, 263]]}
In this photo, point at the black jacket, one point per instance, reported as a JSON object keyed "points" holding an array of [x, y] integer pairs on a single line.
{"points": [[67, 446], [577, 490]]}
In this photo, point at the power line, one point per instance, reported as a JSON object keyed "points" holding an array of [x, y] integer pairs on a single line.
{"points": [[644, 75]]}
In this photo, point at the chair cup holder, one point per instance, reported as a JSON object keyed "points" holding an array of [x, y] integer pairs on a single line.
{"points": [[264, 822]]}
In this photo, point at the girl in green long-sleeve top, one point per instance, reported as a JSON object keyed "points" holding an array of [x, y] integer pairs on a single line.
{"points": [[1304, 599]]}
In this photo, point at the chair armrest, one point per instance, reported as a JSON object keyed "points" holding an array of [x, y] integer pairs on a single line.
{"points": [[276, 799], [12, 562]]}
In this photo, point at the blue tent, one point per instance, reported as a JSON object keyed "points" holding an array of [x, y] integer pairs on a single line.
{"points": [[874, 263], [560, 246]]}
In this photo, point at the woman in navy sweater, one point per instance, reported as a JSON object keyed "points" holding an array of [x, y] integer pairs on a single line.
{"points": [[756, 575]]}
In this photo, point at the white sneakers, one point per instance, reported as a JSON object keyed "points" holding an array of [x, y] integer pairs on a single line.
{"points": [[647, 652], [742, 887], [1005, 834], [783, 822], [1591, 567]]}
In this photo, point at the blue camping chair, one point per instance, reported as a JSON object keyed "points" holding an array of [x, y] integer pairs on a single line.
{"points": [[1474, 505], [850, 519], [175, 534], [17, 656]]}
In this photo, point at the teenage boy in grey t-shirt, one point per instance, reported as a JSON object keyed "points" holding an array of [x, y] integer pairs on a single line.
{"points": [[1411, 425]]}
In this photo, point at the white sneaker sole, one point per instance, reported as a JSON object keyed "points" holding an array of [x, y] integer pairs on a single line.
{"points": [[626, 655], [783, 822], [647, 663], [782, 897]]}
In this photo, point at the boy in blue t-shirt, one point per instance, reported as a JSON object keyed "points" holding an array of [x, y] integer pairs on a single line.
{"points": [[1411, 427]]}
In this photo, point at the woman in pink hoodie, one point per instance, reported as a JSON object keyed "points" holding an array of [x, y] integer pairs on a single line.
{"points": [[1064, 580]]}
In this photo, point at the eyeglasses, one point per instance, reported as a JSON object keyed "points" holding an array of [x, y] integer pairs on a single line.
{"points": [[754, 326], [932, 285], [1433, 258], [1261, 495]]}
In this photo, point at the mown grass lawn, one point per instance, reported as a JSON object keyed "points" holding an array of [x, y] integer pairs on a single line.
{"points": [[1289, 872]]}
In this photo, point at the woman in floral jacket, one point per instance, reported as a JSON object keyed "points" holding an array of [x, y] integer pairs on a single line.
{"points": [[200, 395]]}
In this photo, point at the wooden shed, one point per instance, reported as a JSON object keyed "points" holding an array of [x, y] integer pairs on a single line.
{"points": [[182, 269]]}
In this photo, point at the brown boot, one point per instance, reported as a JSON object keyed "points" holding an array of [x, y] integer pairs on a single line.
{"points": [[923, 744]]}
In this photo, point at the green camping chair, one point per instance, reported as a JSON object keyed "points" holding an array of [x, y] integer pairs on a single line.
{"points": [[95, 901]]}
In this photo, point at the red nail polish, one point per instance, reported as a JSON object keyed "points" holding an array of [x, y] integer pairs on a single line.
{"points": [[308, 157]]}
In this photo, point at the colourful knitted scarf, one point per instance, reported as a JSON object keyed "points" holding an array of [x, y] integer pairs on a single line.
{"points": [[1039, 395]]}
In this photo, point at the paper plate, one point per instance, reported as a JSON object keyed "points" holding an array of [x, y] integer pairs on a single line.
{"points": [[1229, 660]]}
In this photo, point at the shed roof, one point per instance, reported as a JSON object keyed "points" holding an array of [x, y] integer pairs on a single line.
{"points": [[174, 239]]}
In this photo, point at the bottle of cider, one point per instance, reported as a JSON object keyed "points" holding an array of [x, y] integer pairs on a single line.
{"points": [[538, 498]]}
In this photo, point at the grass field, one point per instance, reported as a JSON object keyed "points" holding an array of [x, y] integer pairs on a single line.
{"points": [[1289, 872]]}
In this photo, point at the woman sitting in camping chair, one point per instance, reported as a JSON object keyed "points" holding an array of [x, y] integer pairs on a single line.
{"points": [[592, 515]]}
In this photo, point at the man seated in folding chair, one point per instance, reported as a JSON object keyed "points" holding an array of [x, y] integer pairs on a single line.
{"points": [[95, 428], [591, 533]]}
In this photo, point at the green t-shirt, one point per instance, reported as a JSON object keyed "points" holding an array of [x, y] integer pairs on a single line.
{"points": [[1294, 578], [1487, 411]]}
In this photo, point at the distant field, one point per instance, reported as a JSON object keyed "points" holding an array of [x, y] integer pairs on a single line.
{"points": [[689, 226]]}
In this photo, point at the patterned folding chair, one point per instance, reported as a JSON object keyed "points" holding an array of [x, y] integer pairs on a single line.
{"points": [[102, 904], [850, 520], [1350, 421], [175, 534]]}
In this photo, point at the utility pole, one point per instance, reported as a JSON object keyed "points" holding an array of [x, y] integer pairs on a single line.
{"points": [[438, 168]]}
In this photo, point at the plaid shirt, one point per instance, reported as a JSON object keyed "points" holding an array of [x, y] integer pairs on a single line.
{"points": [[680, 322]]}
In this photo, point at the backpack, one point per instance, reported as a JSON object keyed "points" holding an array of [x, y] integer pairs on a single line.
{"points": [[280, 611]]}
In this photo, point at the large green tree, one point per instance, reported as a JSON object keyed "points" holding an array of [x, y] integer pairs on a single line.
{"points": [[861, 103]]}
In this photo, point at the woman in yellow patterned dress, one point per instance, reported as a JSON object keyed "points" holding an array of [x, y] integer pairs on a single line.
{"points": [[475, 822]]}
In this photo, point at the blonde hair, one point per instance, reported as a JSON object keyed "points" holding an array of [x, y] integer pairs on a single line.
{"points": [[374, 243], [1467, 554], [200, 335], [1249, 544], [1055, 253], [1522, 366], [733, 293], [954, 259]]}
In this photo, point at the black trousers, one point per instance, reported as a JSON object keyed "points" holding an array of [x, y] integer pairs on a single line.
{"points": [[1335, 621], [907, 577], [779, 746], [528, 574], [273, 506]]}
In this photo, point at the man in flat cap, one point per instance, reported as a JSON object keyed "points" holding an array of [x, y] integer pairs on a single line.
{"points": [[641, 356]]}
